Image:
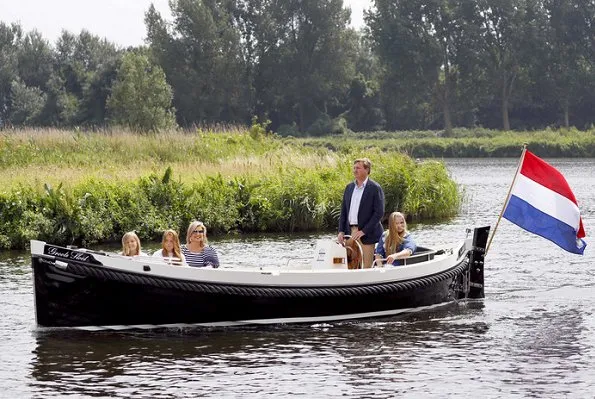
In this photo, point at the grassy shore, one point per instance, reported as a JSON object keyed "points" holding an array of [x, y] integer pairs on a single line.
{"points": [[84, 188], [466, 143], [33, 158]]}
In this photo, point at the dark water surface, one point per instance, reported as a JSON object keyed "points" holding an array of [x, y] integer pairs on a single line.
{"points": [[532, 336]]}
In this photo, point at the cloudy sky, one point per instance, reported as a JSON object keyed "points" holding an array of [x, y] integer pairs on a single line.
{"points": [[120, 21]]}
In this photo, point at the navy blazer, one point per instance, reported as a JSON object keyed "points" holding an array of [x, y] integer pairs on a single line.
{"points": [[369, 215]]}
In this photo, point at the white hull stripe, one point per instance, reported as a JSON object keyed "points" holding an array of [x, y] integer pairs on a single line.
{"points": [[238, 323]]}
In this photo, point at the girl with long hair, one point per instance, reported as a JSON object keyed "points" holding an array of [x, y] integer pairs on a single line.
{"points": [[170, 248], [130, 244], [395, 243]]}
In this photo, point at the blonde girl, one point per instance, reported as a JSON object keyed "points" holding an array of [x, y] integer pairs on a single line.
{"points": [[395, 243], [130, 244]]}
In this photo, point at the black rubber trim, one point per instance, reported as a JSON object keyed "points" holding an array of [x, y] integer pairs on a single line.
{"points": [[252, 291]]}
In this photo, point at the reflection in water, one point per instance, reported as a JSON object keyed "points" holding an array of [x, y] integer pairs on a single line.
{"points": [[214, 361]]}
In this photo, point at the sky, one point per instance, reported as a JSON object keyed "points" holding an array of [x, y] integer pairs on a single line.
{"points": [[119, 21]]}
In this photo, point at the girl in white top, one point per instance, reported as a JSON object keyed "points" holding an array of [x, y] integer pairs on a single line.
{"points": [[170, 248]]}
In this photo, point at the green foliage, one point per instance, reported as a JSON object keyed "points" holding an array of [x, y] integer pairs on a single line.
{"points": [[427, 64], [395, 172], [258, 130], [294, 200], [289, 130], [432, 194], [302, 72], [26, 104], [285, 184], [61, 208], [85, 71], [20, 219], [320, 127], [202, 55], [141, 98], [212, 201], [35, 60], [10, 36], [282, 199], [465, 143]]}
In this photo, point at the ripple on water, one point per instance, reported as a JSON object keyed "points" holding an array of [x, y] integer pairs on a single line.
{"points": [[532, 336]]}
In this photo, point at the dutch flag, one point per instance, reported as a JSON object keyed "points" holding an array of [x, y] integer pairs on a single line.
{"points": [[541, 202]]}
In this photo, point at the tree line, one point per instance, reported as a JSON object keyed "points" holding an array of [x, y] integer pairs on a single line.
{"points": [[299, 66]]}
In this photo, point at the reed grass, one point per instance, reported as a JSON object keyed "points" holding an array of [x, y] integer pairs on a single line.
{"points": [[34, 157], [466, 143], [86, 188]]}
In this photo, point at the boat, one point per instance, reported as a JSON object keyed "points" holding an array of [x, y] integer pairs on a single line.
{"points": [[89, 289]]}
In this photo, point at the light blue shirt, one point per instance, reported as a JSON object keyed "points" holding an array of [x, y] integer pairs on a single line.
{"points": [[356, 199], [407, 243]]}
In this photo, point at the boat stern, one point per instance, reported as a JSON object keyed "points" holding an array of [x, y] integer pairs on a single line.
{"points": [[476, 262]]}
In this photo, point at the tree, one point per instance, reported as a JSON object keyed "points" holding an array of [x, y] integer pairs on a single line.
{"points": [[365, 108], [141, 98], [36, 60], [202, 56], [85, 69], [404, 40], [505, 47], [570, 52], [26, 104], [306, 60], [10, 37]]}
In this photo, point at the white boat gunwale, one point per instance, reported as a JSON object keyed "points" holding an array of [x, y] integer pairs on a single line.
{"points": [[266, 276]]}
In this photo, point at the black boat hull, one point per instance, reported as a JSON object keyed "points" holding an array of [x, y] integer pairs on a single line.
{"points": [[87, 298], [72, 289]]}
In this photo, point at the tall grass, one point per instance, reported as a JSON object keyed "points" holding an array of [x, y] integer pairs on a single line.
{"points": [[88, 188], [466, 143], [34, 157]]}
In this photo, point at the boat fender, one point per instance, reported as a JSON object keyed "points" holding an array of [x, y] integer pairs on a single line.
{"points": [[60, 265]]}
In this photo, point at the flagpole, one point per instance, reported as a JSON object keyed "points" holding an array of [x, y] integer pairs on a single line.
{"points": [[518, 169]]}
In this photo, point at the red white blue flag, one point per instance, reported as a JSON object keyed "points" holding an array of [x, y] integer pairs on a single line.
{"points": [[541, 202]]}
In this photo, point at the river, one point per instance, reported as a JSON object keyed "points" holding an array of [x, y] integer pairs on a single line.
{"points": [[532, 336]]}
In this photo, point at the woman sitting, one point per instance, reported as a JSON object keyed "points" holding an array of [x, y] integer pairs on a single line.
{"points": [[396, 243], [197, 251], [170, 248]]}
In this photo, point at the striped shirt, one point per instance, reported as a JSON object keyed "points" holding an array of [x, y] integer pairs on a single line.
{"points": [[208, 257]]}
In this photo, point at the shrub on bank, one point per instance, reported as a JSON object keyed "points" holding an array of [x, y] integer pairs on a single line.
{"points": [[284, 200]]}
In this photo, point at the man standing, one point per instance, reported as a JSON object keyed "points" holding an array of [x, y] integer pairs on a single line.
{"points": [[362, 209]]}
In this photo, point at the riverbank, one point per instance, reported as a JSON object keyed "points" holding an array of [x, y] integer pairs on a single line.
{"points": [[87, 188], [466, 143]]}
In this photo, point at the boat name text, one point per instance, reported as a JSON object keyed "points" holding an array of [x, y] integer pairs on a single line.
{"points": [[63, 253]]}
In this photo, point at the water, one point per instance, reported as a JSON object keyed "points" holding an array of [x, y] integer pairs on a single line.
{"points": [[532, 336]]}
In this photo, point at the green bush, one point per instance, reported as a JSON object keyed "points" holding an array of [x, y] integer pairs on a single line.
{"points": [[432, 194], [282, 186]]}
